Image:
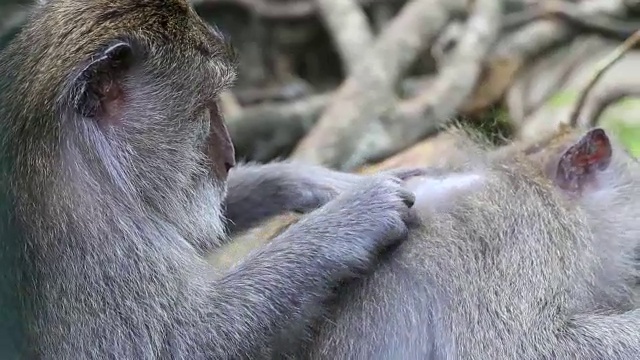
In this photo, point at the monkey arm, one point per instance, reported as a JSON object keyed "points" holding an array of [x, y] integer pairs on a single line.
{"points": [[257, 192], [276, 291], [275, 294]]}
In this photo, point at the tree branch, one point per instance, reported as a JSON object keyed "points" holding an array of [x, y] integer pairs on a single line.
{"points": [[601, 69], [370, 89], [265, 131], [538, 36], [574, 14], [284, 10], [590, 115], [349, 28], [431, 109]]}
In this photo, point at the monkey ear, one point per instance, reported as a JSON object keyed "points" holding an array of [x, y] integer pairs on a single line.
{"points": [[97, 88], [580, 163]]}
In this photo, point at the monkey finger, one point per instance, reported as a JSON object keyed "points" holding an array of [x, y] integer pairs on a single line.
{"points": [[406, 173], [408, 197], [411, 217]]}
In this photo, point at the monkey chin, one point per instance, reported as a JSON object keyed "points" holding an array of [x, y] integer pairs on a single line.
{"points": [[209, 185]]}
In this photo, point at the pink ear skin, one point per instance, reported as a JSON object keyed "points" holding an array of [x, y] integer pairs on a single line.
{"points": [[96, 91], [579, 164]]}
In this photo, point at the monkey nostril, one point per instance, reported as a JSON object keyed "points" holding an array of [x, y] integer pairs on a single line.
{"points": [[229, 165]]}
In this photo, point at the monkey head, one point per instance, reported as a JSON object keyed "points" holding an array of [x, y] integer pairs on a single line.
{"points": [[126, 99]]}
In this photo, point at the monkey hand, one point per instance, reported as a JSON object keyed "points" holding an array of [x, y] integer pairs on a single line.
{"points": [[323, 185], [256, 192], [364, 220]]}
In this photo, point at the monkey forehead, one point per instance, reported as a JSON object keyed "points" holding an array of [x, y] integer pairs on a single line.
{"points": [[71, 30]]}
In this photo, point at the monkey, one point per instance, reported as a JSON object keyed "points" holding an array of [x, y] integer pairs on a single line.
{"points": [[118, 173], [513, 255]]}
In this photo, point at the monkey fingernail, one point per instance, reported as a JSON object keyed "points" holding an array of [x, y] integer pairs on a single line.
{"points": [[409, 200]]}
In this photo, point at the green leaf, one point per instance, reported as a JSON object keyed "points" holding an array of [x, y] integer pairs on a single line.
{"points": [[563, 99], [628, 134]]}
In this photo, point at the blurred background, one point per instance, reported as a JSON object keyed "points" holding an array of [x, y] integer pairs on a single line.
{"points": [[357, 83]]}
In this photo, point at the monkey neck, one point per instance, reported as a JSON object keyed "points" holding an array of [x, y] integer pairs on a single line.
{"points": [[87, 218]]}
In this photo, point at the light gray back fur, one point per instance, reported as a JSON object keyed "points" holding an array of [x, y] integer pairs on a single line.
{"points": [[510, 268]]}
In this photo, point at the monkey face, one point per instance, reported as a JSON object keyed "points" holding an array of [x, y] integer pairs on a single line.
{"points": [[125, 102], [133, 85]]}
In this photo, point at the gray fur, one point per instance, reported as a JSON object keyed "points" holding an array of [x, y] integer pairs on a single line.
{"points": [[509, 268], [114, 211]]}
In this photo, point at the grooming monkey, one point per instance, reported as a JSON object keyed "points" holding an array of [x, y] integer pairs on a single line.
{"points": [[517, 255], [118, 173]]}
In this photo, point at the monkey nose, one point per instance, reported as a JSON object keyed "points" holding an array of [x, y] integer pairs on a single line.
{"points": [[230, 157], [229, 165]]}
